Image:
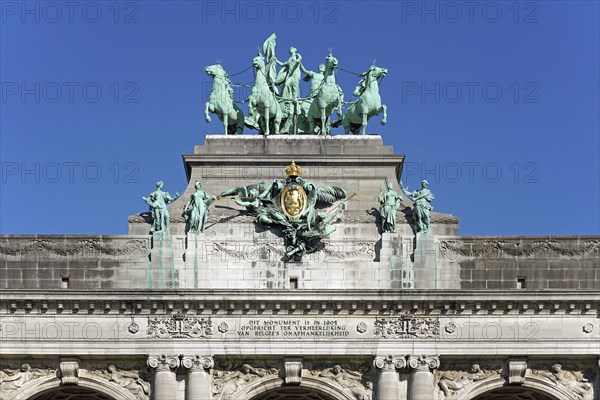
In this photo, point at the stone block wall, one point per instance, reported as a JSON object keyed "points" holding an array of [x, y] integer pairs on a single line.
{"points": [[242, 257], [74, 262], [544, 262]]}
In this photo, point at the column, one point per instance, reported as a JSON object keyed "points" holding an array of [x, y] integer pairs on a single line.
{"points": [[165, 380], [199, 381], [387, 377], [421, 378]]}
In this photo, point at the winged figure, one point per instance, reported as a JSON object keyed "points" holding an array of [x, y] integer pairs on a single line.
{"points": [[243, 192]]}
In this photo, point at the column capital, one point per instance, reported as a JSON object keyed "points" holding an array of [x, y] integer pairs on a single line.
{"points": [[163, 362], [197, 363], [389, 363], [423, 362]]}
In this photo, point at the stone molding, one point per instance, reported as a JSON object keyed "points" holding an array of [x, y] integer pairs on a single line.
{"points": [[387, 303]]}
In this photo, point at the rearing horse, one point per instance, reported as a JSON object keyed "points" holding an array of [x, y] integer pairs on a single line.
{"points": [[221, 101], [369, 103], [328, 98], [263, 100]]}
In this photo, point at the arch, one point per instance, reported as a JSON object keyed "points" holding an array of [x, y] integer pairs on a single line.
{"points": [[327, 389], [292, 392], [38, 387], [515, 393], [498, 385]]}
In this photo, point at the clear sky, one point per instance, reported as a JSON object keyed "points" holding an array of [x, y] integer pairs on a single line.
{"points": [[496, 103]]}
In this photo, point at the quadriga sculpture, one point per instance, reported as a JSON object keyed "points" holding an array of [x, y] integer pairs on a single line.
{"points": [[263, 100], [369, 103], [221, 101], [328, 98]]}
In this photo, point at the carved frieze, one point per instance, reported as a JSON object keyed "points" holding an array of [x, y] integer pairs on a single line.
{"points": [[356, 250], [460, 379], [353, 378], [133, 380], [13, 379], [228, 381], [180, 326], [575, 382], [253, 251], [407, 325], [68, 248], [453, 249]]}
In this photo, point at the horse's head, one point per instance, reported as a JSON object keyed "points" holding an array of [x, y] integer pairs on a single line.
{"points": [[215, 70], [331, 62], [369, 77], [377, 72], [258, 62]]}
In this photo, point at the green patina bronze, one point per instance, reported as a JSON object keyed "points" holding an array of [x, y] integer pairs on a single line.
{"points": [[196, 210], [390, 202], [276, 105], [422, 199], [158, 201], [291, 205], [265, 112], [221, 101], [328, 97], [369, 103], [288, 77]]}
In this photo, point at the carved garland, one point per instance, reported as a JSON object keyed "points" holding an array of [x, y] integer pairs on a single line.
{"points": [[452, 248], [67, 249]]}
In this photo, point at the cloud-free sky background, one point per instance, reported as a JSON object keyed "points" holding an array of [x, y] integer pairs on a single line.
{"points": [[494, 102]]}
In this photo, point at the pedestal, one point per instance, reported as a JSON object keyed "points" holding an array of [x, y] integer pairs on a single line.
{"points": [[161, 273], [426, 262]]}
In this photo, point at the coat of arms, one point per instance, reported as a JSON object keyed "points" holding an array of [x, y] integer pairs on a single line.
{"points": [[291, 204], [293, 201]]}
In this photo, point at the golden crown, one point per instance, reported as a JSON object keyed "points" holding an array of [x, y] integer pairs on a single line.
{"points": [[293, 170]]}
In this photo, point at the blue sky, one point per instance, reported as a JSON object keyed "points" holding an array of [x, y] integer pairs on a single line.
{"points": [[495, 103]]}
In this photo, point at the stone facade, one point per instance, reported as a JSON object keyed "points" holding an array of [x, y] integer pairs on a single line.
{"points": [[370, 316]]}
